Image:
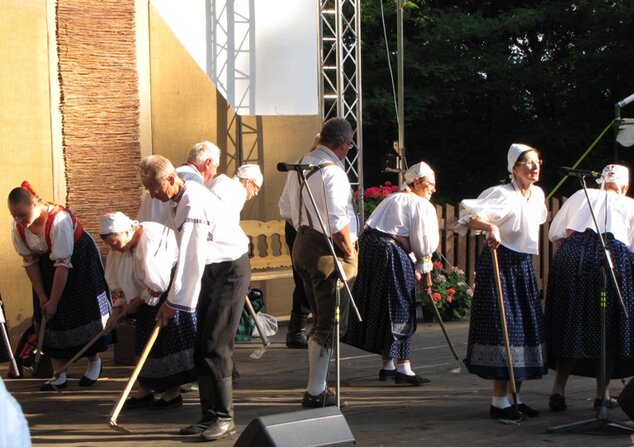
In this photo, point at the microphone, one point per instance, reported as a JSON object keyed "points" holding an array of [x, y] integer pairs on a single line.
{"points": [[285, 167], [565, 170]]}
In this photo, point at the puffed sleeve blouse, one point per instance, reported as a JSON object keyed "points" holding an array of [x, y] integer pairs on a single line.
{"points": [[408, 215], [518, 218], [62, 242]]}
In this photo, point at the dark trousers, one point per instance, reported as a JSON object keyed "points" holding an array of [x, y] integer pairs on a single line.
{"points": [[314, 262], [300, 302], [224, 287]]}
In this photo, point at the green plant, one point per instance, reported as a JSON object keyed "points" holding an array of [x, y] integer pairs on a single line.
{"points": [[450, 293]]}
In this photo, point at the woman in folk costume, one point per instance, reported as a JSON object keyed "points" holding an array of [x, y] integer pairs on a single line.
{"points": [[63, 263], [575, 283], [510, 215], [139, 272], [405, 222]]}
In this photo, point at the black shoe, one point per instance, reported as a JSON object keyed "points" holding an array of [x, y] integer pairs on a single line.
{"points": [[218, 430], [508, 413], [85, 381], [557, 402], [139, 402], [297, 340], [163, 404], [610, 403], [385, 373], [197, 428], [50, 387], [528, 411], [326, 398], [415, 380]]}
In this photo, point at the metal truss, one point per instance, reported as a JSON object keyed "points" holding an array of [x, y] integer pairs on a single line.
{"points": [[340, 73]]}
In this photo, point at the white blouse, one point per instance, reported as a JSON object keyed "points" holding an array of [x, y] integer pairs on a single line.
{"points": [[143, 272], [408, 215], [614, 213], [518, 218], [62, 242]]}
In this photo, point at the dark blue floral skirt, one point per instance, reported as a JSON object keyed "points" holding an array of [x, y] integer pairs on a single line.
{"points": [[573, 305], [486, 355], [171, 361], [84, 306], [384, 293]]}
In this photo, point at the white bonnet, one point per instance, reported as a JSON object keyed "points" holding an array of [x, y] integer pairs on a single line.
{"points": [[514, 153], [418, 170], [618, 174], [251, 172], [115, 223]]}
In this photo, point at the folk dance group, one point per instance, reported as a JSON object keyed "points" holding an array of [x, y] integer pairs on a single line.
{"points": [[184, 263]]}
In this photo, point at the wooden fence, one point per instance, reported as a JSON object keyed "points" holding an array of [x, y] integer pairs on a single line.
{"points": [[462, 251]]}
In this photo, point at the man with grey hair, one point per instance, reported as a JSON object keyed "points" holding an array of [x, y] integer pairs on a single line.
{"points": [[202, 163], [212, 278], [201, 167], [311, 254]]}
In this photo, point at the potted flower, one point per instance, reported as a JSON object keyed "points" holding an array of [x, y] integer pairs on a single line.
{"points": [[450, 293], [373, 195]]}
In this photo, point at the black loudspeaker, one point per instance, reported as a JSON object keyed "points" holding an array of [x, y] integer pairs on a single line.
{"points": [[626, 399], [318, 427]]}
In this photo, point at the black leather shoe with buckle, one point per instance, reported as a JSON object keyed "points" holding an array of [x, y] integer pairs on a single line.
{"points": [[326, 398]]}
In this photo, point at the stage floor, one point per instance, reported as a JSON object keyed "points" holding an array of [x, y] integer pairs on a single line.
{"points": [[451, 410]]}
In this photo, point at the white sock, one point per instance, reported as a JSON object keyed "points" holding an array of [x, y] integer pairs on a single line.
{"points": [[405, 368], [389, 365], [59, 380], [318, 360], [94, 369], [510, 398], [500, 402]]}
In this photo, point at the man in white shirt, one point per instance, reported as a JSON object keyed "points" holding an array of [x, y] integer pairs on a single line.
{"points": [[201, 167], [311, 255], [212, 278]]}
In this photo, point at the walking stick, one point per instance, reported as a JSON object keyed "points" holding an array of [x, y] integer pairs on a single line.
{"points": [[7, 342], [112, 422], [505, 330], [40, 341], [444, 331], [258, 353], [77, 356]]}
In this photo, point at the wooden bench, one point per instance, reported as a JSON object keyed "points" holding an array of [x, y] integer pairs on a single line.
{"points": [[268, 252]]}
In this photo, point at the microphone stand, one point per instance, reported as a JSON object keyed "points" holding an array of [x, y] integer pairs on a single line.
{"points": [[303, 183], [601, 418]]}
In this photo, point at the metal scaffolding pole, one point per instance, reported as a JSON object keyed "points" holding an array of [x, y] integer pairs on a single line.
{"points": [[340, 77]]}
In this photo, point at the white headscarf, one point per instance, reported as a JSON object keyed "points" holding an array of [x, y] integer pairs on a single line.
{"points": [[115, 223], [513, 155], [617, 174], [251, 172], [418, 170]]}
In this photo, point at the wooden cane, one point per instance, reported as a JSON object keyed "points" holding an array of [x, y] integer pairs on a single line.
{"points": [[77, 356], [258, 353], [505, 330], [40, 341], [444, 331], [118, 406]]}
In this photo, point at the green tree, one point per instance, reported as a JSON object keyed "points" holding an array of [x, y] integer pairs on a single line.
{"points": [[481, 75]]}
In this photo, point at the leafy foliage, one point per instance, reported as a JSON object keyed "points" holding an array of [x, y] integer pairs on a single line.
{"points": [[450, 294], [481, 75]]}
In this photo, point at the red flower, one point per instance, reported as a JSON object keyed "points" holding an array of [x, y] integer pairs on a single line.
{"points": [[451, 291], [436, 297], [449, 298], [437, 265]]}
